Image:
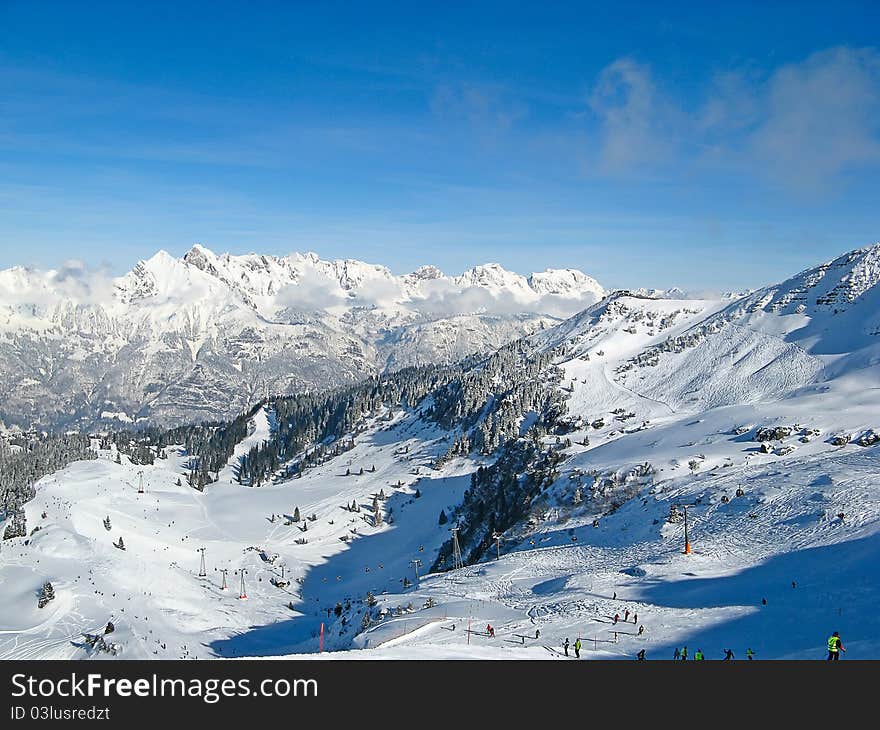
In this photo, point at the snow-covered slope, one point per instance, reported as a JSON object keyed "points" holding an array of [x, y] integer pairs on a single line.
{"points": [[819, 324], [759, 414], [204, 336]]}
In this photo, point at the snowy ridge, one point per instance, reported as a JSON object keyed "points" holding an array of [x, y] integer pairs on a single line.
{"points": [[821, 323]]}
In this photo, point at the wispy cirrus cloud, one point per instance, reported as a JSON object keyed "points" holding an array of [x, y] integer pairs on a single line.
{"points": [[486, 108], [821, 118], [638, 125], [802, 125]]}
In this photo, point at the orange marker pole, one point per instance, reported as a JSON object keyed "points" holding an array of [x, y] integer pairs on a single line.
{"points": [[687, 543]]}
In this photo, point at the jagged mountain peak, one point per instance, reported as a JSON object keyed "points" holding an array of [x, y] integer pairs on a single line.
{"points": [[427, 273], [493, 276], [200, 257], [563, 281]]}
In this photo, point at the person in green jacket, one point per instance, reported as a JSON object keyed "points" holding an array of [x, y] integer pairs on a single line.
{"points": [[577, 647], [684, 654], [698, 655], [749, 654], [834, 647]]}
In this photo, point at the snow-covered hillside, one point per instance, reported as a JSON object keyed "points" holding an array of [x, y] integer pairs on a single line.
{"points": [[757, 415], [204, 336]]}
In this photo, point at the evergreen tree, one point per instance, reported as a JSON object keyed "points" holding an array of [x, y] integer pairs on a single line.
{"points": [[377, 511], [17, 527], [47, 593], [443, 518]]}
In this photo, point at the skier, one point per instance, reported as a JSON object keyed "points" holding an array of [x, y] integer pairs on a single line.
{"points": [[749, 654], [577, 647], [684, 654], [728, 655], [616, 618], [698, 655], [641, 630], [537, 633], [635, 618], [565, 647], [793, 584], [641, 655], [490, 631], [626, 616], [763, 601], [835, 646], [614, 597], [676, 654]]}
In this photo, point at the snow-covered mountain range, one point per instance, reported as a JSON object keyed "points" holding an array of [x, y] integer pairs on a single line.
{"points": [[566, 459], [203, 336]]}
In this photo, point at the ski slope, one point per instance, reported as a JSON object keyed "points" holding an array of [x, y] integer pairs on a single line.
{"points": [[667, 403], [152, 591], [559, 577]]}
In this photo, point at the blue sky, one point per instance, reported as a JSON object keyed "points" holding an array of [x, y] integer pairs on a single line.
{"points": [[655, 144]]}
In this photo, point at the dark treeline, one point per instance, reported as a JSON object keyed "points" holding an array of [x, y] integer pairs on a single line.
{"points": [[488, 403], [26, 459], [311, 426], [481, 398], [209, 445], [502, 493]]}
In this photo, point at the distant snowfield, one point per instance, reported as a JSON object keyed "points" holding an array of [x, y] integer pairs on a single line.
{"points": [[690, 409]]}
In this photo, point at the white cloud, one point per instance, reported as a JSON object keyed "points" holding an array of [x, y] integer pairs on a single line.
{"points": [[637, 124], [441, 298], [820, 118], [803, 125], [312, 293], [37, 292], [487, 109]]}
